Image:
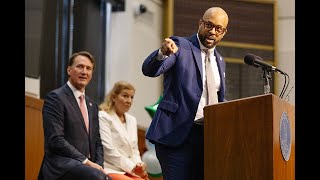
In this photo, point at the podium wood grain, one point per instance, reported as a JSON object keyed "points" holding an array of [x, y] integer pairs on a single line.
{"points": [[242, 140]]}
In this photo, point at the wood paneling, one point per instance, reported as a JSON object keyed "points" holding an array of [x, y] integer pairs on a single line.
{"points": [[249, 22], [34, 139], [142, 141]]}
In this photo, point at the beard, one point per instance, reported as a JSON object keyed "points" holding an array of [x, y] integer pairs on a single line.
{"points": [[208, 40]]}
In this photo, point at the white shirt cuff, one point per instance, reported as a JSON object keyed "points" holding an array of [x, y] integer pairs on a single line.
{"points": [[85, 161], [161, 56]]}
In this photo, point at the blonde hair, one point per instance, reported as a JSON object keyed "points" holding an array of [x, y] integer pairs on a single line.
{"points": [[108, 105]]}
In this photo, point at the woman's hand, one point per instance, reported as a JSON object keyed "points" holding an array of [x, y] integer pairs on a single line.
{"points": [[140, 170]]}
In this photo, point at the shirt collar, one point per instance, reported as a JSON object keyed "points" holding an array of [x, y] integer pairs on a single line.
{"points": [[75, 91]]}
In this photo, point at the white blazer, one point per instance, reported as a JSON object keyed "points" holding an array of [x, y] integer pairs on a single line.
{"points": [[120, 142]]}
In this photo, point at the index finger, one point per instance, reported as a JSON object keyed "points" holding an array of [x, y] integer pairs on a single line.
{"points": [[168, 40]]}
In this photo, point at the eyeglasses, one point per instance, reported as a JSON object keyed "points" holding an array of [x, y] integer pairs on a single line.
{"points": [[209, 26]]}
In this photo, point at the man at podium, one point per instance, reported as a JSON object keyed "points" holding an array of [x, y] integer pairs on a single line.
{"points": [[194, 76]]}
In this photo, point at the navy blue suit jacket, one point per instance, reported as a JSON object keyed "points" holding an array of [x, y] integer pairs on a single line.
{"points": [[66, 139], [183, 87]]}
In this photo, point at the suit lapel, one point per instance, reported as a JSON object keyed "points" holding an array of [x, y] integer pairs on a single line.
{"points": [[219, 63], [196, 52], [129, 133], [121, 129], [90, 112], [75, 105]]}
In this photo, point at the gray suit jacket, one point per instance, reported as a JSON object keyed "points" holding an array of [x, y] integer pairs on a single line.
{"points": [[67, 142]]}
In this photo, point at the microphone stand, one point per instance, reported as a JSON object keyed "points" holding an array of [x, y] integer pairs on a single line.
{"points": [[267, 77]]}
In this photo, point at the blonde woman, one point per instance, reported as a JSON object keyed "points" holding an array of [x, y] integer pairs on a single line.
{"points": [[118, 131]]}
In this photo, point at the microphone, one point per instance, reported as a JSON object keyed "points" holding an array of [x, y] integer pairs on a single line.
{"points": [[257, 61]]}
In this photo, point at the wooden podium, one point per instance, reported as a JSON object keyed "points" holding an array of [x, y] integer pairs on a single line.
{"points": [[250, 139]]}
